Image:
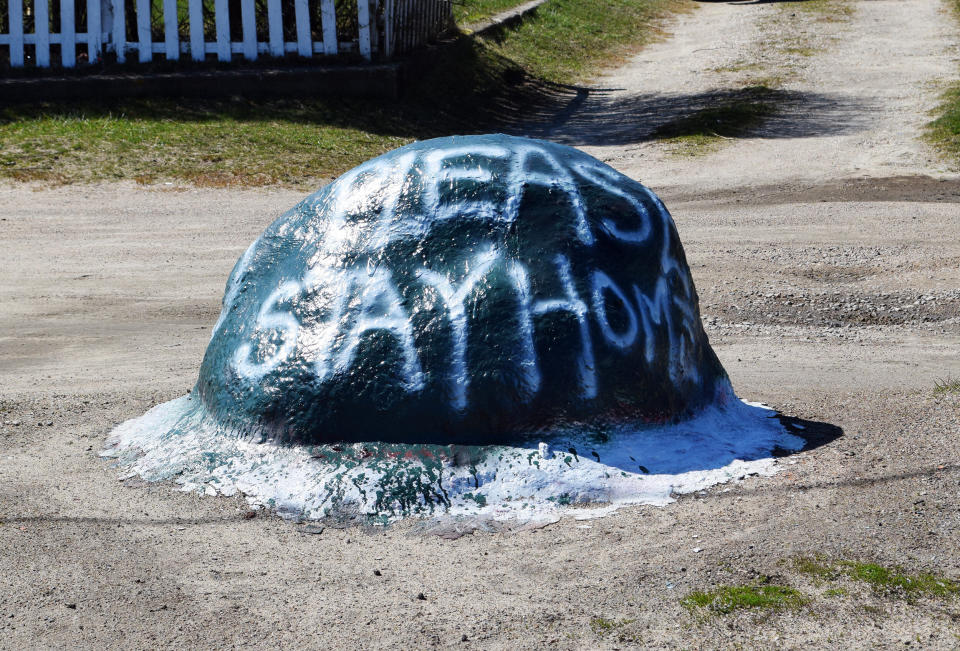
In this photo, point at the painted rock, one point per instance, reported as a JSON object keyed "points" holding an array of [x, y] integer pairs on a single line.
{"points": [[476, 290]]}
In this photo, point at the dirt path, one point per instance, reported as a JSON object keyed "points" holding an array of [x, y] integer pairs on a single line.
{"points": [[857, 89], [828, 267]]}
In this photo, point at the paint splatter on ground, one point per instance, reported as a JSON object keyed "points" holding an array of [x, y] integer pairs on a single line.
{"points": [[383, 482]]}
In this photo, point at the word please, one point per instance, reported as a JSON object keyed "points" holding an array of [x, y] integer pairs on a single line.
{"points": [[362, 301], [513, 170]]}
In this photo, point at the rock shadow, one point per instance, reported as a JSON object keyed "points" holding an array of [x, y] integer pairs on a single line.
{"points": [[814, 433]]}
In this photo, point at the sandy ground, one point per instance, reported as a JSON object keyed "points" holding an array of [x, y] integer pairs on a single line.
{"points": [[828, 264]]}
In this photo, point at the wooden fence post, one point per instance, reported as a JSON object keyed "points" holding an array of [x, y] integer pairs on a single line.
{"points": [[248, 22], [41, 29], [304, 40], [388, 29], [120, 30], [222, 19], [275, 27], [328, 23], [171, 32], [94, 30], [363, 22], [16, 33], [198, 50], [68, 34], [144, 38]]}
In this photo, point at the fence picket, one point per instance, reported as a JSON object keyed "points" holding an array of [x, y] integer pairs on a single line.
{"points": [[16, 33], [93, 31], [328, 22], [41, 28], [197, 51], [302, 14], [374, 27], [119, 30], [275, 25], [68, 35], [388, 28], [222, 20], [363, 22], [249, 23], [171, 36], [144, 39]]}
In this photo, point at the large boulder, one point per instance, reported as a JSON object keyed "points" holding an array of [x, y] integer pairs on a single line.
{"points": [[477, 289]]}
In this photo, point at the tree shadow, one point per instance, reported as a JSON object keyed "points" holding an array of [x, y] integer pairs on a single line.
{"points": [[606, 117]]}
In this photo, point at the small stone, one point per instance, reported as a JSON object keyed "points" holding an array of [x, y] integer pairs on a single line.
{"points": [[464, 638], [249, 515], [421, 596], [697, 550], [377, 573], [49, 423], [71, 606], [313, 529]]}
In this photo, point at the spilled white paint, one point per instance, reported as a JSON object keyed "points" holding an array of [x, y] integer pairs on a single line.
{"points": [[544, 479]]}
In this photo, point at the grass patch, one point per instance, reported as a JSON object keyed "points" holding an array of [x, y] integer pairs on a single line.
{"points": [[205, 142], [947, 385], [944, 132], [829, 9], [466, 12], [890, 581], [738, 66], [894, 580], [602, 626], [471, 86], [565, 41], [727, 599], [702, 131]]}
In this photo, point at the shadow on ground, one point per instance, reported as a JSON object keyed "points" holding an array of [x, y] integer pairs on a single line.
{"points": [[605, 118]]}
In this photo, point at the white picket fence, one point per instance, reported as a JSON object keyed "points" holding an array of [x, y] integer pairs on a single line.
{"points": [[106, 30]]}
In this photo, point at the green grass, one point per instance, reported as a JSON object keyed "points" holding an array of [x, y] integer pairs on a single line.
{"points": [[602, 626], [734, 116], [890, 581], [726, 599], [466, 12], [567, 40], [944, 132], [473, 85], [947, 385], [202, 142], [829, 9]]}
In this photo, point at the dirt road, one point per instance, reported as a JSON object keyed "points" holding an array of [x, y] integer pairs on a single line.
{"points": [[826, 250]]}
